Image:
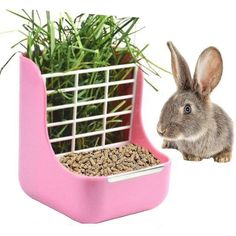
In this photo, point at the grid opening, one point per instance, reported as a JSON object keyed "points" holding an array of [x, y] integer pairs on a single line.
{"points": [[59, 115], [60, 98], [89, 126], [118, 106], [88, 142], [61, 147], [59, 130], [122, 74], [92, 110], [55, 83], [118, 121], [120, 90], [91, 94], [92, 78], [120, 136]]}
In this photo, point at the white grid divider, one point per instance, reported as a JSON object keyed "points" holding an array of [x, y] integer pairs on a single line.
{"points": [[105, 108], [74, 113], [105, 100], [59, 107], [66, 122], [89, 134], [63, 90], [92, 70]]}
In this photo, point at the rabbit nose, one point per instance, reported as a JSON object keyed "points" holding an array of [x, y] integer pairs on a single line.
{"points": [[160, 130]]}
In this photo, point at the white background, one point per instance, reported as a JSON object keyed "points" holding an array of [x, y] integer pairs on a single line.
{"points": [[202, 196]]}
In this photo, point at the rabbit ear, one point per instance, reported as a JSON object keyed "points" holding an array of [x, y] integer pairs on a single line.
{"points": [[180, 68], [208, 71]]}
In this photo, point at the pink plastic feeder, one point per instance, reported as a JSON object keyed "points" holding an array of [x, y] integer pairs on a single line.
{"points": [[82, 198]]}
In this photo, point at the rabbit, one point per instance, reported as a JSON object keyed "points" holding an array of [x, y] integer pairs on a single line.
{"points": [[189, 121]]}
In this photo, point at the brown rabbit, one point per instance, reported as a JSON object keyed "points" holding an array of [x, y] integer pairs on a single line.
{"points": [[189, 121]]}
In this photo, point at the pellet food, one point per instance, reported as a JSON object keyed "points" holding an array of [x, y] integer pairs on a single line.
{"points": [[109, 161]]}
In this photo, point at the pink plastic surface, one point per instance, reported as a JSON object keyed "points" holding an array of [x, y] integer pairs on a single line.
{"points": [[84, 199]]}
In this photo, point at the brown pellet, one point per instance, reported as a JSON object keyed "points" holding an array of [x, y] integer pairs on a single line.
{"points": [[93, 163], [69, 162], [109, 161], [84, 160]]}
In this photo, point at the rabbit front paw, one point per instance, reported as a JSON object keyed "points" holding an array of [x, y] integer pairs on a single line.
{"points": [[224, 156], [189, 157]]}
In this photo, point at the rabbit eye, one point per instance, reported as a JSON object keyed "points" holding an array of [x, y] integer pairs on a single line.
{"points": [[187, 109]]}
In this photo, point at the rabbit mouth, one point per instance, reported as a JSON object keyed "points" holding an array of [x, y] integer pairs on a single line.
{"points": [[171, 132]]}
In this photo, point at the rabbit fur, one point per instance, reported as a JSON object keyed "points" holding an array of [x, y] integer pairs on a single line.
{"points": [[189, 121]]}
